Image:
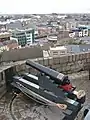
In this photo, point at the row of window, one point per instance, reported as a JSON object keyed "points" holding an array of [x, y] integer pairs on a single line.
{"points": [[21, 37], [22, 43], [22, 34], [24, 37]]}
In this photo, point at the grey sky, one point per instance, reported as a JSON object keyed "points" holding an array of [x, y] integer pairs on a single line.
{"points": [[44, 6]]}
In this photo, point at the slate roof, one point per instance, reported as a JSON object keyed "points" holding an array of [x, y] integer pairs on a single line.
{"points": [[78, 48], [14, 25]]}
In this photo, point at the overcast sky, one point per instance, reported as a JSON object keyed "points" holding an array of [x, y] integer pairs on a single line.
{"points": [[44, 6]]}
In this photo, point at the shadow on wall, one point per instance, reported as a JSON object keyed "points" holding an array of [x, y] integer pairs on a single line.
{"points": [[21, 54]]}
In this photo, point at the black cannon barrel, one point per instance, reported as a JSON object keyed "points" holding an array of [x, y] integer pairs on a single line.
{"points": [[47, 71]]}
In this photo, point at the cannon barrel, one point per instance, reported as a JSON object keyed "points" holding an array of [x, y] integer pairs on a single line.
{"points": [[47, 71]]}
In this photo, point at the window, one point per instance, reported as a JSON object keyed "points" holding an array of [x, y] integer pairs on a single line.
{"points": [[28, 35], [62, 52], [28, 32], [85, 32], [55, 53], [19, 33]]}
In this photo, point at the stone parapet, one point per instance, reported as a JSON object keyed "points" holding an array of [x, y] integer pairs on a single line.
{"points": [[67, 64], [70, 63]]}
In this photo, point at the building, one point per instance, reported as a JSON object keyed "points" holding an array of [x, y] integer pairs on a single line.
{"points": [[78, 48], [52, 38], [84, 31], [54, 51], [57, 51], [43, 30], [2, 27], [3, 48], [24, 36], [79, 32], [13, 44], [70, 25], [7, 42], [4, 36], [63, 34], [45, 54], [9, 45]]}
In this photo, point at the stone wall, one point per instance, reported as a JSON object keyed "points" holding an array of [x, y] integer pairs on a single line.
{"points": [[70, 63], [21, 54], [67, 63]]}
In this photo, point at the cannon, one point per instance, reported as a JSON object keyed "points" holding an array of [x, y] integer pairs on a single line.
{"points": [[44, 87], [54, 75]]}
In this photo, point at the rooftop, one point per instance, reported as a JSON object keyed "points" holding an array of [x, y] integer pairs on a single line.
{"points": [[23, 30], [5, 34], [58, 48], [78, 48]]}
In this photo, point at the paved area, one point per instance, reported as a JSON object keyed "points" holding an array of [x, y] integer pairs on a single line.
{"points": [[25, 109]]}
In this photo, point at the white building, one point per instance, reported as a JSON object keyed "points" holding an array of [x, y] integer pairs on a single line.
{"points": [[45, 54], [72, 35], [85, 32], [52, 38], [81, 33], [57, 51]]}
